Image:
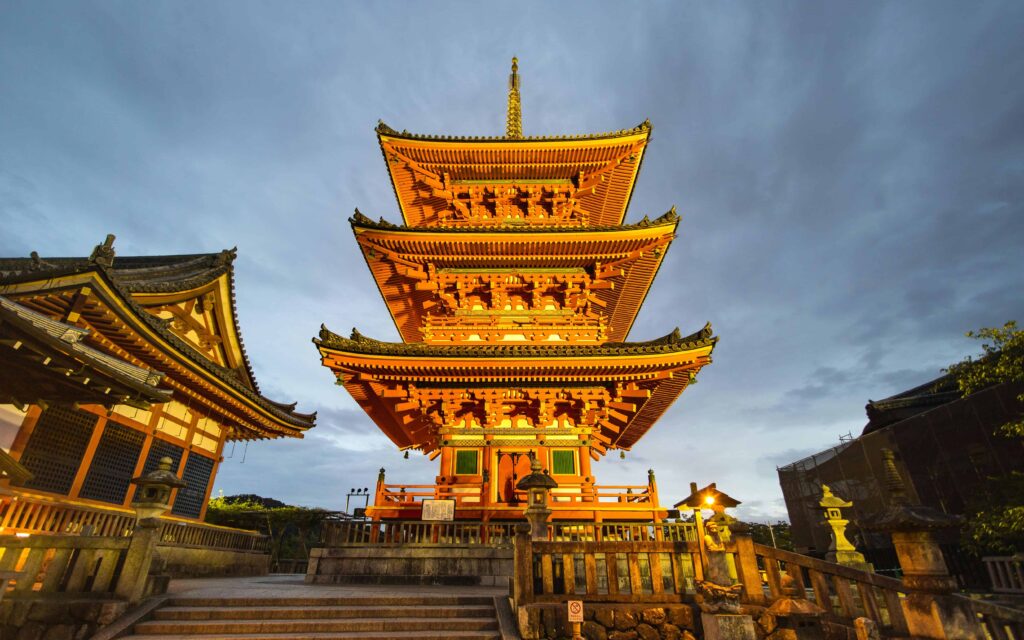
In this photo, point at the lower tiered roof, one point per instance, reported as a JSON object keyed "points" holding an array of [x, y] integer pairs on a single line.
{"points": [[382, 376]]}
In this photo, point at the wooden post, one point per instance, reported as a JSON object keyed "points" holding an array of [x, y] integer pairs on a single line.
{"points": [[746, 565], [522, 592]]}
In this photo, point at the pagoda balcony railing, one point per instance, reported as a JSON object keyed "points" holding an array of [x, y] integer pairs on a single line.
{"points": [[39, 514], [495, 533], [565, 496]]}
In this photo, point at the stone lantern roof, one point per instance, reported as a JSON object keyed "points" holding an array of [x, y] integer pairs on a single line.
{"points": [[536, 479], [901, 515]]}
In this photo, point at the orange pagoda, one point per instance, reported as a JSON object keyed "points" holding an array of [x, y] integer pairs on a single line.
{"points": [[514, 283]]}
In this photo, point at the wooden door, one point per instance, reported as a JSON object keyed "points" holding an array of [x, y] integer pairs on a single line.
{"points": [[510, 473]]}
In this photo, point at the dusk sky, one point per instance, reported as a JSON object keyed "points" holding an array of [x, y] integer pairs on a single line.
{"points": [[850, 178]]}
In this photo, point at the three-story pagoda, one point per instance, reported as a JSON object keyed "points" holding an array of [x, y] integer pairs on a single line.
{"points": [[514, 283]]}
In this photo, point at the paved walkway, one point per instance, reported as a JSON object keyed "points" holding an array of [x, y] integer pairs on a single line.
{"points": [[280, 585]]}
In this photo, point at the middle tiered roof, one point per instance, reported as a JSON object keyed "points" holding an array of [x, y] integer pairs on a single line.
{"points": [[505, 283]]}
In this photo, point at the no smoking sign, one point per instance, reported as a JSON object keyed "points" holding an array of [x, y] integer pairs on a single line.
{"points": [[575, 611]]}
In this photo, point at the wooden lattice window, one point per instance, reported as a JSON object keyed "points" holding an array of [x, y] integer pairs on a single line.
{"points": [[189, 502], [467, 462], [162, 449], [563, 462], [56, 448], [113, 464]]}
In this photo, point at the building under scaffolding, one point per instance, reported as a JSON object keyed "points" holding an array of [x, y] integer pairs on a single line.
{"points": [[945, 449]]}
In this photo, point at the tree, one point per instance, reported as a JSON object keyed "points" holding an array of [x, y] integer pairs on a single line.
{"points": [[291, 529], [995, 522], [772, 535], [1002, 360]]}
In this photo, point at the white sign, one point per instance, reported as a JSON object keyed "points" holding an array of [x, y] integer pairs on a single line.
{"points": [[442, 510], [575, 611]]}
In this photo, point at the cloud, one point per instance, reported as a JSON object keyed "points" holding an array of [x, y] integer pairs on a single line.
{"points": [[851, 181]]}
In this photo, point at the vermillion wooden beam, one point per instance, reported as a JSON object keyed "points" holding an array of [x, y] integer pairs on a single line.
{"points": [[624, 406], [635, 393]]}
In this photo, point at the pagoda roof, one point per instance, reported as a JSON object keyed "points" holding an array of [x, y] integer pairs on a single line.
{"points": [[130, 284], [601, 168], [628, 255], [367, 367], [672, 343]]}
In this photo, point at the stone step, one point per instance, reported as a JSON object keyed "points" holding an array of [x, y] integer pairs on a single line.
{"points": [[355, 635], [323, 625], [362, 601], [321, 612]]}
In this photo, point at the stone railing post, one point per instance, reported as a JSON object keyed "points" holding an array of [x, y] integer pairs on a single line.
{"points": [[522, 581], [131, 585], [746, 564], [152, 499]]}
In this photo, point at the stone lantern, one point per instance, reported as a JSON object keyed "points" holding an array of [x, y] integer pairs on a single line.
{"points": [[152, 499], [153, 496], [930, 608], [537, 485], [841, 551]]}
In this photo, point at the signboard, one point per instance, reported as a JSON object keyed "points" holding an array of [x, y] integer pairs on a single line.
{"points": [[575, 611], [440, 510]]}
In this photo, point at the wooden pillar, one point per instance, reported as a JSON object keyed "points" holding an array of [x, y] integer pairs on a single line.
{"points": [[746, 565], [28, 425], [90, 451]]}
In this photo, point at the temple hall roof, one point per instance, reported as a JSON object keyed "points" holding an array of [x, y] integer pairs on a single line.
{"points": [[134, 281]]}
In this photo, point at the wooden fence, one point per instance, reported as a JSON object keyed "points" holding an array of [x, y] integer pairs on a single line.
{"points": [[663, 571], [38, 514], [1006, 573], [493, 533]]}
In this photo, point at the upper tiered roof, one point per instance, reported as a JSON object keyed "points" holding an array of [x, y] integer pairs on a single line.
{"points": [[538, 181]]}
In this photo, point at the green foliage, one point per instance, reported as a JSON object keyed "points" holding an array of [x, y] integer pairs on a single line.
{"points": [[997, 525], [762, 534], [292, 529], [995, 522], [1002, 360]]}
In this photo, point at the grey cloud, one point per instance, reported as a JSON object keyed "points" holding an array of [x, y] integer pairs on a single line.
{"points": [[850, 180]]}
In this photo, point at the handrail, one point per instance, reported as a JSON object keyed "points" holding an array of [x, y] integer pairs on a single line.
{"points": [[995, 619], [417, 533], [44, 515], [65, 564], [842, 592], [565, 493]]}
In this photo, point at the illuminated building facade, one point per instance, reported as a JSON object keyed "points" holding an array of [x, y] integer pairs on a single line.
{"points": [[108, 364], [514, 282]]}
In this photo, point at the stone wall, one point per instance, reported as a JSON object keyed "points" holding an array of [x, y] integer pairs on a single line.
{"points": [[198, 562], [410, 565], [55, 618], [612, 622]]}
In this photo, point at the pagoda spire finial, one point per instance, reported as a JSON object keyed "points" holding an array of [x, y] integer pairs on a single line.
{"points": [[514, 124]]}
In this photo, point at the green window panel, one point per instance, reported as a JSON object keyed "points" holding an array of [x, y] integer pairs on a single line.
{"points": [[563, 463], [467, 462]]}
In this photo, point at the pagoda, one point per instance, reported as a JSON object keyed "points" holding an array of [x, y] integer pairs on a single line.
{"points": [[513, 283]]}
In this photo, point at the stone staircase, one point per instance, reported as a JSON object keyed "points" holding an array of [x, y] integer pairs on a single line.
{"points": [[430, 617]]}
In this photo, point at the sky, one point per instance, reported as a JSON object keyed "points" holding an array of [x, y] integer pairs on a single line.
{"points": [[850, 178]]}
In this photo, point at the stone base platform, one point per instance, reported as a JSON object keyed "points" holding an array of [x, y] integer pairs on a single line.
{"points": [[442, 565]]}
